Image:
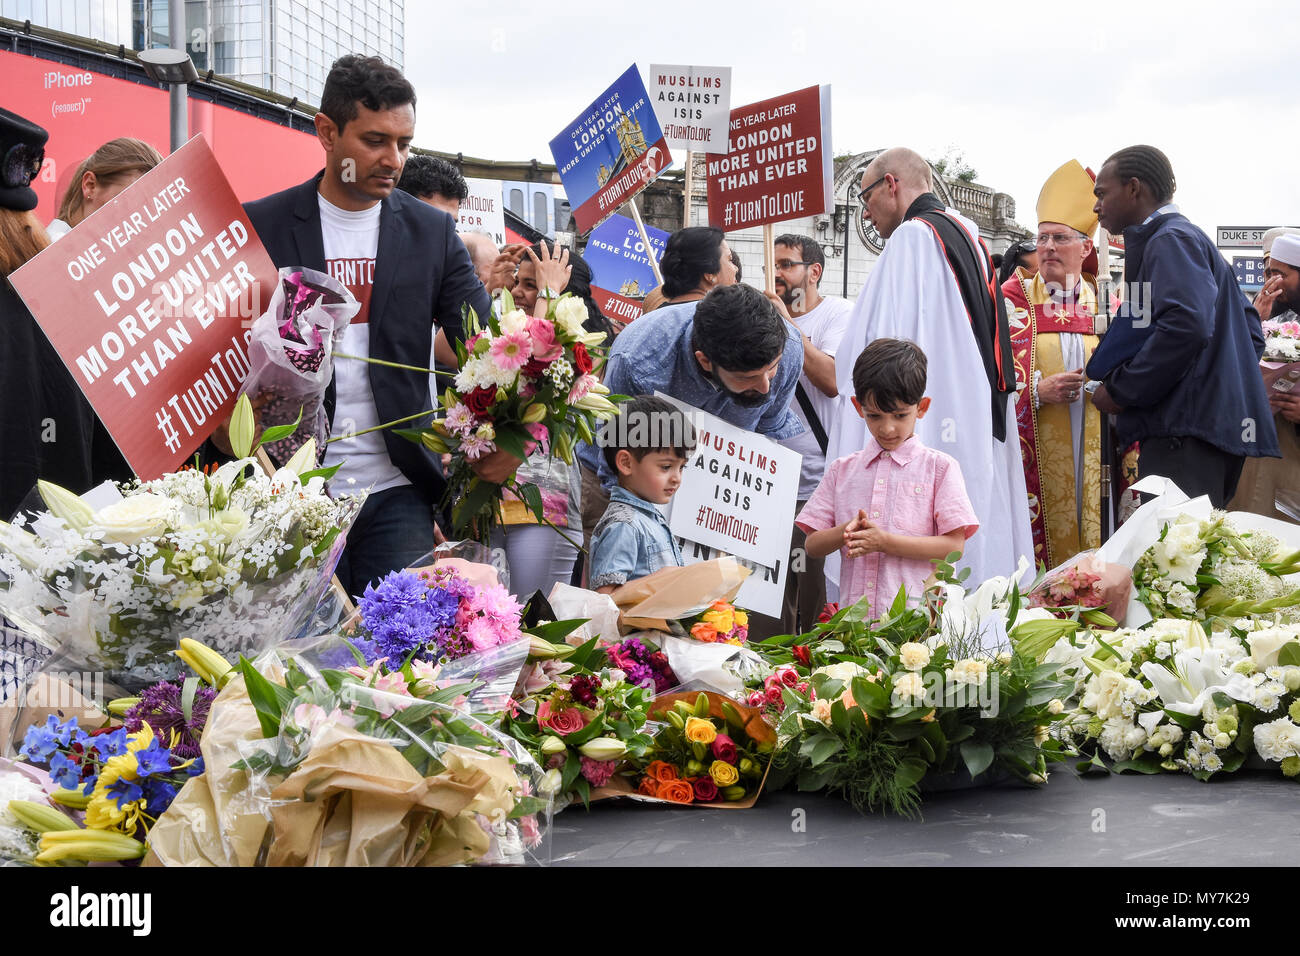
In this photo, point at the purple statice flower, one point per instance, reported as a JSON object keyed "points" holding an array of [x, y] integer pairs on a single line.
{"points": [[160, 707]]}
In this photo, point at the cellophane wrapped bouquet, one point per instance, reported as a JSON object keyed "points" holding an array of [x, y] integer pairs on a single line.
{"points": [[237, 559], [379, 764], [524, 383], [291, 356], [1202, 568], [582, 712]]}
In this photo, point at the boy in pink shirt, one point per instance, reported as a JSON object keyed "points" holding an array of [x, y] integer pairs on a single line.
{"points": [[893, 507]]}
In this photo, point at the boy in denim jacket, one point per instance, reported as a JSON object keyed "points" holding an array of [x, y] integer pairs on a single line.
{"points": [[646, 447]]}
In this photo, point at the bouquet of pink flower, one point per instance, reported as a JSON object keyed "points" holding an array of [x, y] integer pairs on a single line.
{"points": [[1086, 585], [524, 382], [1281, 341], [429, 615]]}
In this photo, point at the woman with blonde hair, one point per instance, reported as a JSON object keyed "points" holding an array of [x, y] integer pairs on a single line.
{"points": [[100, 177]]}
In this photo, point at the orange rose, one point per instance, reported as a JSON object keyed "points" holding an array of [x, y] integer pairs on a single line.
{"points": [[649, 787], [678, 791], [663, 772], [704, 632]]}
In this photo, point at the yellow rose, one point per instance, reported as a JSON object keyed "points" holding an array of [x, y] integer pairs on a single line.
{"points": [[700, 731], [723, 773], [821, 709], [742, 619], [724, 621]]}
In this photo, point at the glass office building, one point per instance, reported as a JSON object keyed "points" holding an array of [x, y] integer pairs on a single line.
{"points": [[285, 46]]}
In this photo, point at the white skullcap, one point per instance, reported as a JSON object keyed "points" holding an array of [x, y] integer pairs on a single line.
{"points": [[1276, 231], [1286, 249]]}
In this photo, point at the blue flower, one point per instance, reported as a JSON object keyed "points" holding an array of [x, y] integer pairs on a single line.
{"points": [[124, 791], [159, 795], [153, 759], [195, 768], [40, 741], [65, 772], [111, 744]]}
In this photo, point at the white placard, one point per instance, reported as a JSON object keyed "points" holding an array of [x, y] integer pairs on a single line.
{"points": [[693, 104], [482, 210], [738, 491]]}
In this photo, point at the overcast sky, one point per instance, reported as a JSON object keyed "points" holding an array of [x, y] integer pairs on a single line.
{"points": [[1017, 88]]}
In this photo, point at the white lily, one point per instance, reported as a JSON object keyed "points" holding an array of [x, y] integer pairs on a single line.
{"points": [[1195, 677]]}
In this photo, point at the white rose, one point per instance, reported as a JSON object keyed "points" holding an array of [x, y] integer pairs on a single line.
{"points": [[570, 314], [1105, 694], [914, 656], [514, 321], [1055, 706], [133, 519], [970, 671], [908, 687]]}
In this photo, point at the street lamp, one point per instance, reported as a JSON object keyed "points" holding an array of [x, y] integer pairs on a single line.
{"points": [[175, 69]]}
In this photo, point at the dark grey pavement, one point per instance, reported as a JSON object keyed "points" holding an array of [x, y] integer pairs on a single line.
{"points": [[1249, 819]]}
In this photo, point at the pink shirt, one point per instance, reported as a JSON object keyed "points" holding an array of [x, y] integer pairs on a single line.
{"points": [[913, 490]]}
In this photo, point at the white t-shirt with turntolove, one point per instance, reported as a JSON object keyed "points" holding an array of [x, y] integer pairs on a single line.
{"points": [[351, 242], [825, 325]]}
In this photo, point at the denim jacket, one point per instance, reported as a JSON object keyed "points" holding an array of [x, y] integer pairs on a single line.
{"points": [[631, 540]]}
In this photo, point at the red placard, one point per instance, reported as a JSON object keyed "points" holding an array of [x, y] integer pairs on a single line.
{"points": [[150, 303], [778, 166], [615, 306]]}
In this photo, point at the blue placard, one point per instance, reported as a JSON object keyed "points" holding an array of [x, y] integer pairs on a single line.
{"points": [[611, 151], [617, 256]]}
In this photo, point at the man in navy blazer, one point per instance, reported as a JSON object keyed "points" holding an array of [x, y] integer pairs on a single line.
{"points": [[407, 267], [1180, 364]]}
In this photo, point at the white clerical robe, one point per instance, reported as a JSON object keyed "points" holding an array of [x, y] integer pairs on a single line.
{"points": [[912, 294]]}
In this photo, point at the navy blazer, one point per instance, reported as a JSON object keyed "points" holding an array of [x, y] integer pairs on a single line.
{"points": [[1182, 357], [423, 277]]}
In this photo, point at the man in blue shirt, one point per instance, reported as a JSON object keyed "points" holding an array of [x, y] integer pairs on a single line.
{"points": [[1180, 363], [734, 357]]}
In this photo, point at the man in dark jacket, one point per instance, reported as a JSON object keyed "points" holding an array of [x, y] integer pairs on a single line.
{"points": [[402, 260], [1180, 364]]}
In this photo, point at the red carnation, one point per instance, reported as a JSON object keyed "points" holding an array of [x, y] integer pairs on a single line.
{"points": [[480, 400], [581, 360]]}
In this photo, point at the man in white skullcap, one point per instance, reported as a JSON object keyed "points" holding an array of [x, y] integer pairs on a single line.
{"points": [[1281, 290], [1278, 304]]}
